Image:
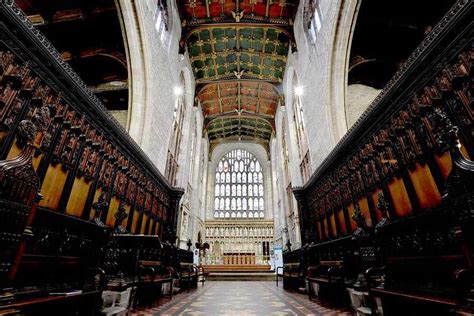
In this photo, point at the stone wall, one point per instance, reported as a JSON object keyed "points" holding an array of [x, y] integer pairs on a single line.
{"points": [[155, 67], [156, 70], [359, 97], [320, 69]]}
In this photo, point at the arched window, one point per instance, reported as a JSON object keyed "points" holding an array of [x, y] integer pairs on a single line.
{"points": [[175, 143], [312, 19], [161, 19], [305, 166], [244, 178]]}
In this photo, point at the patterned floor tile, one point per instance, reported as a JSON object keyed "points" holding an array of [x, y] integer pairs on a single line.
{"points": [[234, 298]]}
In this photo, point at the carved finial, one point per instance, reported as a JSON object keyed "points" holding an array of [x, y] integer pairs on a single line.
{"points": [[189, 244], [382, 205], [359, 218], [288, 245], [26, 132], [100, 206], [41, 118], [120, 215], [445, 131], [461, 177]]}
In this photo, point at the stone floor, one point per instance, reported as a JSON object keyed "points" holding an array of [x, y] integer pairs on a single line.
{"points": [[239, 298]]}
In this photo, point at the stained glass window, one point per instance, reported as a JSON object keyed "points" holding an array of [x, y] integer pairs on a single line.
{"points": [[239, 186]]}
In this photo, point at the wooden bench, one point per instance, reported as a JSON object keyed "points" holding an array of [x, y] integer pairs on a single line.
{"points": [[152, 275], [188, 275], [427, 267], [201, 274], [278, 275], [329, 274], [291, 274], [138, 261]]}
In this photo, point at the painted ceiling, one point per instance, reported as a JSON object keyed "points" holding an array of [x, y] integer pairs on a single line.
{"points": [[195, 12], [238, 51], [251, 98]]}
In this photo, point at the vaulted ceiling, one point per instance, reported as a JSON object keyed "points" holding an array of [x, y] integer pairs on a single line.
{"points": [[238, 51], [239, 110]]}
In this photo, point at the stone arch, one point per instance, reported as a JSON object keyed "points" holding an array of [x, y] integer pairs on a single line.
{"points": [[136, 65], [344, 31]]}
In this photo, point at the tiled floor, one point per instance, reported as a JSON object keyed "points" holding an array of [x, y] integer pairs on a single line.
{"points": [[239, 298]]}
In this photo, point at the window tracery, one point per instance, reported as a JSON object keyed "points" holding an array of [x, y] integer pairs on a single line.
{"points": [[302, 142], [239, 186], [175, 144], [312, 19], [161, 19]]}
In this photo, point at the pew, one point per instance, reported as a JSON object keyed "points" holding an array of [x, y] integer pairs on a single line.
{"points": [[294, 269], [57, 139], [188, 275], [425, 266], [291, 274], [140, 260], [50, 261], [331, 268]]}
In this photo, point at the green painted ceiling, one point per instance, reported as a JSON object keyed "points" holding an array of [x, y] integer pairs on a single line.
{"points": [[238, 52]]}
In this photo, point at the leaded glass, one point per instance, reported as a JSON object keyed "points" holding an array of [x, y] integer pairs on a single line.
{"points": [[239, 186]]}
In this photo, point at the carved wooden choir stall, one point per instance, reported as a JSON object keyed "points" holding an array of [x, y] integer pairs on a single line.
{"points": [[73, 184], [388, 216]]}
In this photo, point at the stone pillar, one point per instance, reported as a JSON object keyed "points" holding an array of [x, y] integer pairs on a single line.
{"points": [[299, 196], [175, 197]]}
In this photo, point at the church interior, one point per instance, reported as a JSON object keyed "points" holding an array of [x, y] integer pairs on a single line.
{"points": [[236, 157]]}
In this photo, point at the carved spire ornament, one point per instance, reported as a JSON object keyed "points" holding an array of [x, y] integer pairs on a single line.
{"points": [[359, 218], [98, 207], [120, 216], [382, 205]]}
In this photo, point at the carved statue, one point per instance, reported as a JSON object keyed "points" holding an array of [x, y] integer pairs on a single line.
{"points": [[120, 215], [100, 206]]}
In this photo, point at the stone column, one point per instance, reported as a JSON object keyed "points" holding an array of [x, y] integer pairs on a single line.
{"points": [[175, 197], [302, 221]]}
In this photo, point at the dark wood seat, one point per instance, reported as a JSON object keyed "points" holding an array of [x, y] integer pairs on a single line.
{"points": [[152, 274], [188, 275], [426, 266], [201, 274], [330, 272], [291, 274]]}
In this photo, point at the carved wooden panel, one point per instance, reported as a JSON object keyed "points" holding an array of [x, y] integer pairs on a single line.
{"points": [[403, 159], [75, 159]]}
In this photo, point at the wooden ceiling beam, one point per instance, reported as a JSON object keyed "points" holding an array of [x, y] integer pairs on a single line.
{"points": [[69, 15]]}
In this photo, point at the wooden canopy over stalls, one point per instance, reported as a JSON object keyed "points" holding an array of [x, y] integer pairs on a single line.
{"points": [[70, 175], [88, 165]]}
